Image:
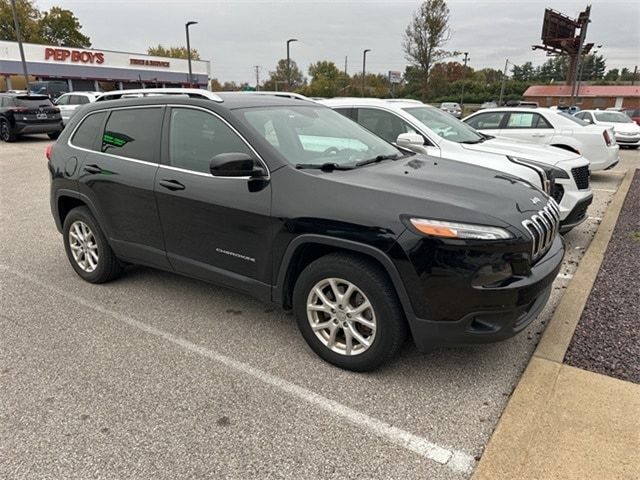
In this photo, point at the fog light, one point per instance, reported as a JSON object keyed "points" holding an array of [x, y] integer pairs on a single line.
{"points": [[491, 275]]}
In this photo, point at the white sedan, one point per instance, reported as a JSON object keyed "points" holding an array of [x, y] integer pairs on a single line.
{"points": [[626, 131], [550, 127]]}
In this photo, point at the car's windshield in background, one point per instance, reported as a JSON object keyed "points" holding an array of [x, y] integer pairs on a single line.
{"points": [[314, 135], [613, 117], [445, 125], [577, 120]]}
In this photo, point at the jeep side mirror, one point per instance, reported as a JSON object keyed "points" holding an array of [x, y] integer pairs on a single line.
{"points": [[409, 140], [235, 165]]}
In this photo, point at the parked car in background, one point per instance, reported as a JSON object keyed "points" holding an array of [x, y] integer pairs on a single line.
{"points": [[521, 103], [425, 129], [626, 131], [273, 196], [488, 105], [550, 127], [51, 88], [633, 113], [571, 110], [69, 103], [452, 108], [24, 114]]}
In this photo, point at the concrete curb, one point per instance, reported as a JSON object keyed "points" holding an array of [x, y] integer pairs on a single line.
{"points": [[511, 443]]}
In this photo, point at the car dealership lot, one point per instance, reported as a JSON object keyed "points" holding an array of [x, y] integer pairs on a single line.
{"points": [[159, 375]]}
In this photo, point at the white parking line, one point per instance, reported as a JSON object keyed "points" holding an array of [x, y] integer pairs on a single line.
{"points": [[607, 190], [454, 459], [595, 219]]}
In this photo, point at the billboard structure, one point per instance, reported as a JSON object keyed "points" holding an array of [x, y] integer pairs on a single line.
{"points": [[560, 37]]}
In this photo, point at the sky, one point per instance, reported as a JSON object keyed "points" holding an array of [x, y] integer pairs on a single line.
{"points": [[236, 35]]}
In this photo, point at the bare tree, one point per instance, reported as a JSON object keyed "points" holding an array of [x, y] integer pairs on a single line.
{"points": [[426, 35]]}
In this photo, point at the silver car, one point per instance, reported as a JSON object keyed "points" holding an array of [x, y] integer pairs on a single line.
{"points": [[452, 108], [70, 102]]}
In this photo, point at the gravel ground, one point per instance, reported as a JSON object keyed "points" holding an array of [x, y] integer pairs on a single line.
{"points": [[607, 339]]}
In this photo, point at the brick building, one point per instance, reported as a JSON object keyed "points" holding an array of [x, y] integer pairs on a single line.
{"points": [[589, 96]]}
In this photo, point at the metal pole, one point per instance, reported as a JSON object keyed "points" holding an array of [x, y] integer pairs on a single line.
{"points": [[19, 38], [464, 75], [583, 35], [635, 72], [257, 67], [289, 63], [504, 79], [186, 26], [364, 68]]}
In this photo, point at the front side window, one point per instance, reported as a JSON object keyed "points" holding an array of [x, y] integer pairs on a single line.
{"points": [[63, 100], [613, 117], [78, 100], [315, 135], [445, 125], [86, 133], [384, 124], [195, 137], [486, 121], [133, 133]]}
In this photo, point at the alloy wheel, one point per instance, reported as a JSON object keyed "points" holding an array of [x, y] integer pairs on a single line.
{"points": [[84, 248], [341, 316]]}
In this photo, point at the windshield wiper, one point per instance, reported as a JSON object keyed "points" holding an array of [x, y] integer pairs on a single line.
{"points": [[325, 167], [473, 142], [377, 159]]}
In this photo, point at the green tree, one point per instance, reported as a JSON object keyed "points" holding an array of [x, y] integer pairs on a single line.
{"points": [[425, 36], [173, 52], [278, 78], [28, 17], [326, 80], [61, 27], [525, 72], [612, 75], [593, 67]]}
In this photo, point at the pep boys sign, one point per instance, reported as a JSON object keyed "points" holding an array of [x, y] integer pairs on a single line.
{"points": [[74, 56]]}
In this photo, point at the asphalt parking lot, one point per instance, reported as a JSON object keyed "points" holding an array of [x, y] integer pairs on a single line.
{"points": [[159, 376]]}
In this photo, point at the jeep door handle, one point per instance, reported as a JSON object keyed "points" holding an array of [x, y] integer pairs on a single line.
{"points": [[92, 169], [172, 185]]}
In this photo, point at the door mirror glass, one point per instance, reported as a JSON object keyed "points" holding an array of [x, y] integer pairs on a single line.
{"points": [[235, 165]]}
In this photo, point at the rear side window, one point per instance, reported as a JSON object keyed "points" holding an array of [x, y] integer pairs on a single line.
{"points": [[133, 133], [195, 137], [85, 135], [526, 120], [78, 100], [384, 124]]}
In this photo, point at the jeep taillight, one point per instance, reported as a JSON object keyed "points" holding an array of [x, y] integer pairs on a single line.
{"points": [[18, 110], [47, 151], [607, 138]]}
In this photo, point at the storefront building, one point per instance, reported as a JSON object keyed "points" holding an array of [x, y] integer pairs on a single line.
{"points": [[90, 69]]}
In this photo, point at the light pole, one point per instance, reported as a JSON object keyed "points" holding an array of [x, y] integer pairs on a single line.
{"points": [[289, 62], [19, 38], [464, 76], [186, 27], [364, 67], [504, 78]]}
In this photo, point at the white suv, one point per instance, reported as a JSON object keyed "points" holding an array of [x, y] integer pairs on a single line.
{"points": [[550, 127], [69, 103], [426, 129]]}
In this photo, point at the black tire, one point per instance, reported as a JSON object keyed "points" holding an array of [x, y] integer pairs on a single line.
{"points": [[372, 281], [108, 267], [6, 132], [53, 135]]}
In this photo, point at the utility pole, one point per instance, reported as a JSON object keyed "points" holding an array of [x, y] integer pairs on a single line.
{"points": [[464, 76], [345, 65], [364, 68], [289, 63], [19, 38], [504, 78], [186, 27], [635, 72], [584, 19]]}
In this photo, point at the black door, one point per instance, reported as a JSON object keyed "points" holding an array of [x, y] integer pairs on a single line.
{"points": [[118, 176], [215, 228]]}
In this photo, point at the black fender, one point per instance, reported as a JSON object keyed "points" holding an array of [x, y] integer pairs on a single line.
{"points": [[278, 291], [65, 192]]}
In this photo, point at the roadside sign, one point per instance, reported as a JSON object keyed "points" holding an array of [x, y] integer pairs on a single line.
{"points": [[395, 76]]}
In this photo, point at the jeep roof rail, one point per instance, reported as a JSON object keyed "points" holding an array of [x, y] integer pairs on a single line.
{"points": [[279, 94], [146, 92]]}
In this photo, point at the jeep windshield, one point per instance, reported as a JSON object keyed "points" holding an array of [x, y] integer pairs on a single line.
{"points": [[444, 125], [311, 136]]}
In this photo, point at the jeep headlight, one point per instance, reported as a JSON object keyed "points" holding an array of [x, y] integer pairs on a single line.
{"points": [[465, 231]]}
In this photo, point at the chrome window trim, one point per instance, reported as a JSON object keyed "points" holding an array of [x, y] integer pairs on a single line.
{"points": [[234, 130]]}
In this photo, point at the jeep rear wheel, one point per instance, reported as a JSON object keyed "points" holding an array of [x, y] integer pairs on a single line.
{"points": [[87, 248], [348, 312]]}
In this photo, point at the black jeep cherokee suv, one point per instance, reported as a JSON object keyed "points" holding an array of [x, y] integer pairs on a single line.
{"points": [[293, 203], [23, 114]]}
